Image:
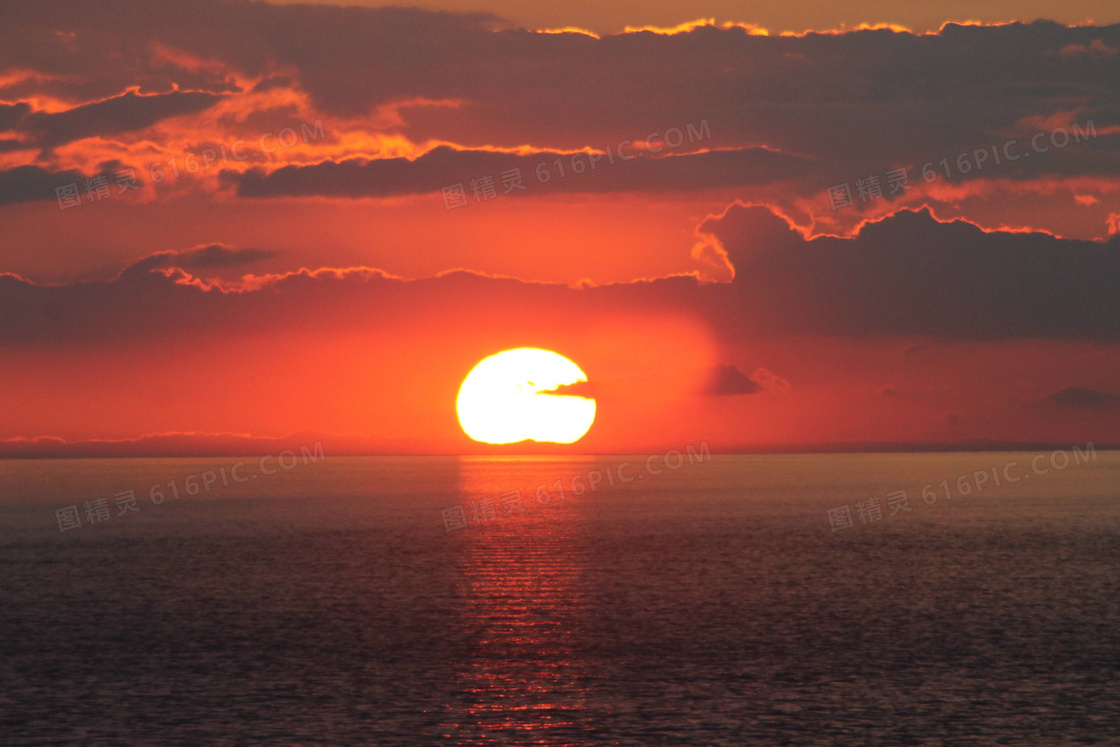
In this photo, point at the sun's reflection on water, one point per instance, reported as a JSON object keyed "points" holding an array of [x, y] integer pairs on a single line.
{"points": [[524, 680]]}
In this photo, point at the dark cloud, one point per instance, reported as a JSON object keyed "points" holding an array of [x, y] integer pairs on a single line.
{"points": [[907, 275], [143, 305], [443, 167], [311, 447], [860, 103], [911, 274], [587, 389], [828, 108], [348, 58], [127, 113], [12, 114], [213, 256], [9, 146], [727, 380], [1079, 396], [32, 183]]}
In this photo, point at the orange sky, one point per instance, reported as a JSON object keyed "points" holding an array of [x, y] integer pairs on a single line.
{"points": [[289, 261]]}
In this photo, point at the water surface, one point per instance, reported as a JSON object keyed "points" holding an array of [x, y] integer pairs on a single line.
{"points": [[713, 604]]}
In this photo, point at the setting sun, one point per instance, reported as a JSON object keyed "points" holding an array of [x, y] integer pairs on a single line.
{"points": [[507, 398]]}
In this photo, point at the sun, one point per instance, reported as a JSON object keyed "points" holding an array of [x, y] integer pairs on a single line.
{"points": [[507, 398]]}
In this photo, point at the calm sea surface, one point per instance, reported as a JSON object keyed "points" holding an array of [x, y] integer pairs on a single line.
{"points": [[336, 602]]}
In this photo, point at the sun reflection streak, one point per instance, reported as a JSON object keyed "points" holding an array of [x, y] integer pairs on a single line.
{"points": [[524, 680]]}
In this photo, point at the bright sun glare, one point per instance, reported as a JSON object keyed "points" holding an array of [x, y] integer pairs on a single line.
{"points": [[505, 399]]}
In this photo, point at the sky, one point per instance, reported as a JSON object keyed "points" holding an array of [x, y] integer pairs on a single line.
{"points": [[763, 226]]}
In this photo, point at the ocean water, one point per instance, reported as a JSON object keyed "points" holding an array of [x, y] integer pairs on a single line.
{"points": [[342, 601]]}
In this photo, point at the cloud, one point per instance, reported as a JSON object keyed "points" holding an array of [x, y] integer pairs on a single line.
{"points": [[538, 173], [33, 183], [789, 116], [1079, 396], [906, 275], [344, 56], [859, 103], [212, 256], [12, 114], [1095, 48], [728, 380], [588, 389], [911, 274], [127, 113], [310, 448]]}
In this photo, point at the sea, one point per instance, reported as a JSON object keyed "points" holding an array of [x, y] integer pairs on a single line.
{"points": [[683, 598]]}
